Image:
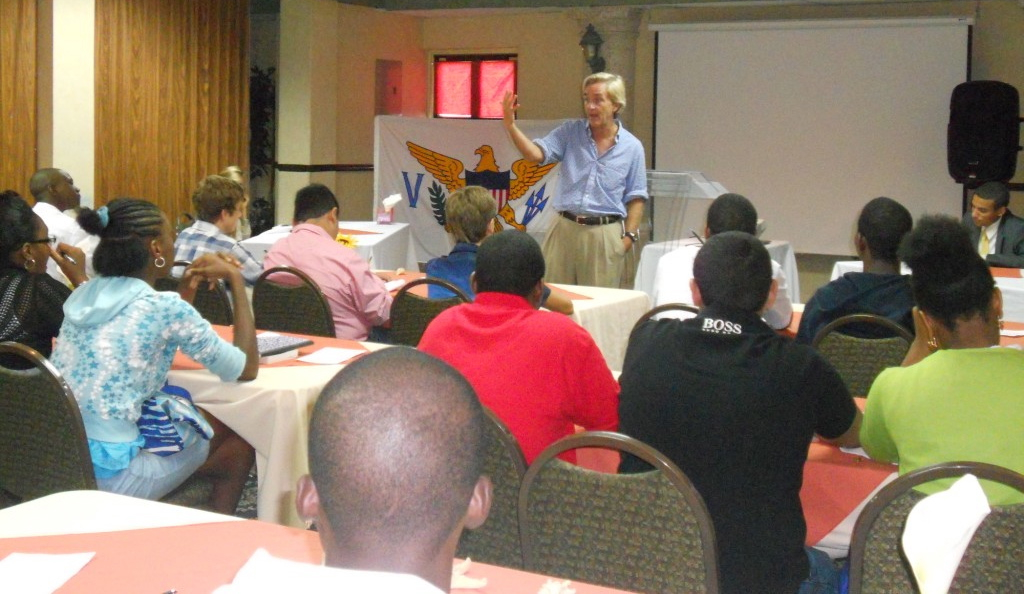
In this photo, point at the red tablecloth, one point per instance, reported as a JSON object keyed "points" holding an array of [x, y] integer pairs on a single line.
{"points": [[343, 231], [184, 363], [196, 559], [794, 325], [835, 482], [1005, 272]]}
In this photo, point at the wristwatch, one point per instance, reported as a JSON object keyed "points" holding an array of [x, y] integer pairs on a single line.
{"points": [[632, 235]]}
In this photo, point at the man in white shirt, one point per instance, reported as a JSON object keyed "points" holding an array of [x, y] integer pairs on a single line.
{"points": [[55, 192], [728, 212], [996, 233], [396, 448]]}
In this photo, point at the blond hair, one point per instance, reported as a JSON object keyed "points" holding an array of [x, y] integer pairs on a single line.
{"points": [[235, 174], [613, 85], [469, 212]]}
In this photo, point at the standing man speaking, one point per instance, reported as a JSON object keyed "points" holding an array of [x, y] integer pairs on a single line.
{"points": [[602, 185]]}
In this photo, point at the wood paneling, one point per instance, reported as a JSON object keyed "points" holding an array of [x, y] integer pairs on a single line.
{"points": [[17, 94], [172, 96]]}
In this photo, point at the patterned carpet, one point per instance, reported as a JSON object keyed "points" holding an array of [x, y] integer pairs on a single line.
{"points": [[247, 504]]}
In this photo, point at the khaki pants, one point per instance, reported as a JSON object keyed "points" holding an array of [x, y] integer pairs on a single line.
{"points": [[589, 255]]}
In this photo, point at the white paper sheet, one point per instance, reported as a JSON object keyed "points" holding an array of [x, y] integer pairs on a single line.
{"points": [[39, 573]]}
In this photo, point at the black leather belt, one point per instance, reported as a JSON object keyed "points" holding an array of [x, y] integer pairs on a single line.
{"points": [[581, 220]]}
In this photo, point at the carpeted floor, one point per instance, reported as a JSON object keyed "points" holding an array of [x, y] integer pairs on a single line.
{"points": [[247, 504]]}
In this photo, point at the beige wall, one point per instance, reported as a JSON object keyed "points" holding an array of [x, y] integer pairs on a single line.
{"points": [[367, 36], [549, 58], [546, 42], [551, 66], [307, 97]]}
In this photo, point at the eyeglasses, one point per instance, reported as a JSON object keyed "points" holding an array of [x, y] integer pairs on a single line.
{"points": [[52, 240]]}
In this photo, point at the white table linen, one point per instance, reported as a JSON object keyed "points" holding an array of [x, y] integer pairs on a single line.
{"points": [[1011, 288], [386, 247], [780, 251], [87, 512], [271, 413], [608, 316]]}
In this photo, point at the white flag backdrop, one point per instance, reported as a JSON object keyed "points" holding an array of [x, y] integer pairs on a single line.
{"points": [[425, 160]]}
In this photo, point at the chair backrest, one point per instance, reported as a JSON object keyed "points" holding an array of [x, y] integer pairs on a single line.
{"points": [[211, 303], [292, 302], [411, 313], [497, 541], [663, 308], [646, 532], [860, 360], [43, 448], [992, 562]]}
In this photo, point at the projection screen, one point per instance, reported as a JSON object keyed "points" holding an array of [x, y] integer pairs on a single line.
{"points": [[811, 119]]}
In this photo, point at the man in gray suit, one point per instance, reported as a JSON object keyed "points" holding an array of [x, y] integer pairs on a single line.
{"points": [[995, 231]]}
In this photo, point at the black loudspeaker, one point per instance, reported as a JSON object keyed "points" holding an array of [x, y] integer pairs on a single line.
{"points": [[983, 136]]}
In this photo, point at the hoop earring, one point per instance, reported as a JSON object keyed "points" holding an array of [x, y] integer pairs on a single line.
{"points": [[159, 262], [30, 263]]}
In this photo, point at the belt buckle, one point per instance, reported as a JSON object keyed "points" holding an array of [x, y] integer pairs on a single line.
{"points": [[581, 220]]}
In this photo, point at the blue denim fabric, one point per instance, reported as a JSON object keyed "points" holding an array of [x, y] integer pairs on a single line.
{"points": [[150, 476], [823, 578]]}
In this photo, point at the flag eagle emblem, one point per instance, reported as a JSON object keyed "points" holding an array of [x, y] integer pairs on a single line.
{"points": [[454, 176]]}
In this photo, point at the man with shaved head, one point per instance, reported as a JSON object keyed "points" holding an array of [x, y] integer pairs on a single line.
{"points": [[396, 446], [55, 192]]}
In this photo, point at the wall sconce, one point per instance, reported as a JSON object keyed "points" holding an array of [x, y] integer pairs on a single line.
{"points": [[591, 44]]}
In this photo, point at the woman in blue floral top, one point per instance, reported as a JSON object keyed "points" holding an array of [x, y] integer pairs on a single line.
{"points": [[115, 349]]}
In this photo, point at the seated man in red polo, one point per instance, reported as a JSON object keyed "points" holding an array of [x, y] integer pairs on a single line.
{"points": [[735, 406], [539, 371]]}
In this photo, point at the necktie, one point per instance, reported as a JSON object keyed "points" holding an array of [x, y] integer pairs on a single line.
{"points": [[983, 248]]}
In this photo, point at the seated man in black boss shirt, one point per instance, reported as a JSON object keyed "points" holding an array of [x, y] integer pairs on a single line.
{"points": [[735, 406]]}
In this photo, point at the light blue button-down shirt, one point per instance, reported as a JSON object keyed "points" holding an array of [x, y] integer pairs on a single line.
{"points": [[590, 184]]}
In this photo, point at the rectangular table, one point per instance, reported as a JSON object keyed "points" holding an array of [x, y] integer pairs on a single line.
{"points": [[836, 487], [271, 413], [1004, 340], [166, 547], [383, 246], [780, 251], [607, 314], [1009, 280]]}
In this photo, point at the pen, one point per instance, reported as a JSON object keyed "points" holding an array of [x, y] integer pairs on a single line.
{"points": [[70, 259], [694, 233]]}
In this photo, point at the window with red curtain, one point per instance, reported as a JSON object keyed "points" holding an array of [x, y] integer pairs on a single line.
{"points": [[472, 86]]}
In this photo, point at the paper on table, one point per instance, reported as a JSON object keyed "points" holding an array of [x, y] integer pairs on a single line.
{"points": [[1005, 332], [394, 285], [461, 581], [856, 451], [38, 573], [331, 355]]}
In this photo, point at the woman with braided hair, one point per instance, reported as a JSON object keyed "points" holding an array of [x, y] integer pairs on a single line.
{"points": [[115, 349]]}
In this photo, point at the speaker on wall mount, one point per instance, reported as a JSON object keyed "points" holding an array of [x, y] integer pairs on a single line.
{"points": [[983, 135]]}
